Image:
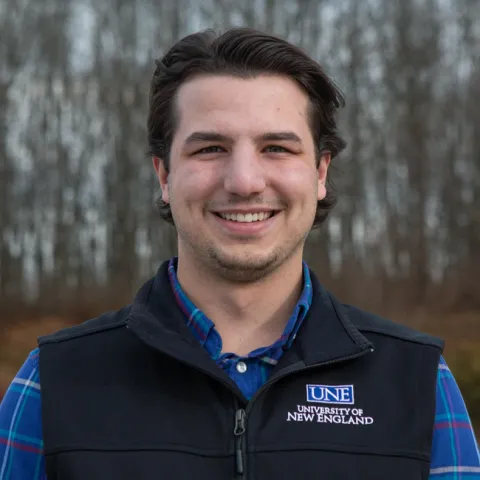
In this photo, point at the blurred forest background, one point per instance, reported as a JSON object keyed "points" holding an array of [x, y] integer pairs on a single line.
{"points": [[78, 229]]}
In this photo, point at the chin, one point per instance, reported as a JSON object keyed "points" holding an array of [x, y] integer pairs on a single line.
{"points": [[244, 266]]}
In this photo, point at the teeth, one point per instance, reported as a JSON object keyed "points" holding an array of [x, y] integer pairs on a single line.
{"points": [[246, 218]]}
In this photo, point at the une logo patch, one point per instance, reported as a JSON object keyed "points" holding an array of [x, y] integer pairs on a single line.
{"points": [[338, 394]]}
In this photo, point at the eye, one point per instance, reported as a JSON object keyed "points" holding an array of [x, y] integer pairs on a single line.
{"points": [[211, 149], [276, 149]]}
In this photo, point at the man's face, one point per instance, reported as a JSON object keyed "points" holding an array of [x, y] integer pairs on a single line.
{"points": [[243, 183]]}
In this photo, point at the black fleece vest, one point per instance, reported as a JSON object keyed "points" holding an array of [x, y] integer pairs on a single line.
{"points": [[132, 395]]}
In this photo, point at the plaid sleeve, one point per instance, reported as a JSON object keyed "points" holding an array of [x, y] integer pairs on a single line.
{"points": [[455, 453], [21, 440]]}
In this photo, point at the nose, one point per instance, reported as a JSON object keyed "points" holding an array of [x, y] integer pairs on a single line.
{"points": [[244, 173]]}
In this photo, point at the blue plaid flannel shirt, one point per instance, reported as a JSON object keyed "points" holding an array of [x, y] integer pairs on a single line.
{"points": [[455, 454]]}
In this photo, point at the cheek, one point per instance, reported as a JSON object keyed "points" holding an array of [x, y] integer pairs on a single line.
{"points": [[193, 184], [297, 184]]}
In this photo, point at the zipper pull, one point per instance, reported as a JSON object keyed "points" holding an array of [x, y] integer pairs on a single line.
{"points": [[239, 422], [238, 432]]}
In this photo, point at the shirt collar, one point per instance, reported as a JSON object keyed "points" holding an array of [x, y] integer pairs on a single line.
{"points": [[197, 321], [301, 309], [201, 325]]}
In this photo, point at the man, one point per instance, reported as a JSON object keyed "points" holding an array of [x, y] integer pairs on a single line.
{"points": [[233, 361]]}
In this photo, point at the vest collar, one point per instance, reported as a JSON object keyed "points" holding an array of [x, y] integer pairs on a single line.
{"points": [[327, 334]]}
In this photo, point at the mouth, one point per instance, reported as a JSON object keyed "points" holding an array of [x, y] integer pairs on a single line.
{"points": [[247, 217]]}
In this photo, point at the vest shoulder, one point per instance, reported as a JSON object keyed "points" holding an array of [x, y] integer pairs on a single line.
{"points": [[106, 321], [370, 323]]}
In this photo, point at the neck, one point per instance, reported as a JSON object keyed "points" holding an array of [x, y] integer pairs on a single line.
{"points": [[247, 315]]}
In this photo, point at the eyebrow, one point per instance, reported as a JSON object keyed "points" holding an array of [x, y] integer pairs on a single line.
{"points": [[197, 137], [279, 136]]}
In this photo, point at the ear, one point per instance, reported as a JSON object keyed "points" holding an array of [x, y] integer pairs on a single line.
{"points": [[162, 176], [322, 174]]}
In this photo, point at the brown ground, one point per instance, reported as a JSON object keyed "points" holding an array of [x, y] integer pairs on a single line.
{"points": [[461, 332]]}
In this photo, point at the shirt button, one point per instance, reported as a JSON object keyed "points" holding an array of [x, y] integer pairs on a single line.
{"points": [[241, 367]]}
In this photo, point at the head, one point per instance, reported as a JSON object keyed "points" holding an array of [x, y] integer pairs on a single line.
{"points": [[242, 130]]}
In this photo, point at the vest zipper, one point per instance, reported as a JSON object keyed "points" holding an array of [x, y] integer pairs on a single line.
{"points": [[241, 414], [240, 441]]}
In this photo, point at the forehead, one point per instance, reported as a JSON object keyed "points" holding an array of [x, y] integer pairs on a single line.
{"points": [[241, 106]]}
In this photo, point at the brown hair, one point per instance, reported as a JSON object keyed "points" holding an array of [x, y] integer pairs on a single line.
{"points": [[244, 53]]}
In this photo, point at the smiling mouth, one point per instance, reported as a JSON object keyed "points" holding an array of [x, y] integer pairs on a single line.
{"points": [[246, 217]]}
